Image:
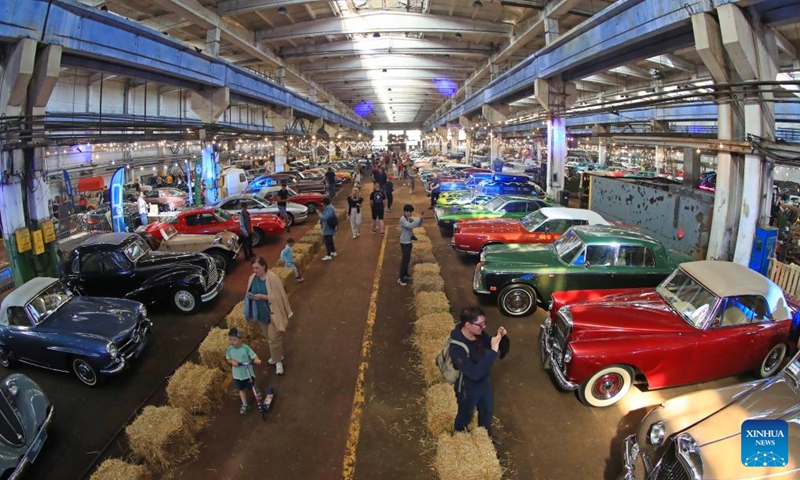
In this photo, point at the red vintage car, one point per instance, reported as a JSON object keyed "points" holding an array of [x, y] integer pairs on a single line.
{"points": [[212, 220], [542, 226], [707, 320], [312, 200]]}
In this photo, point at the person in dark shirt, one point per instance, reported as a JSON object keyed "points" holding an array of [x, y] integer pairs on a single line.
{"points": [[376, 206], [330, 179], [389, 190], [283, 197], [435, 190]]}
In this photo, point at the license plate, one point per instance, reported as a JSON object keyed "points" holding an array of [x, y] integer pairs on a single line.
{"points": [[33, 452]]}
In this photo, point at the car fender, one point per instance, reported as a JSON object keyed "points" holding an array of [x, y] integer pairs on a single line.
{"points": [[154, 288], [590, 355]]}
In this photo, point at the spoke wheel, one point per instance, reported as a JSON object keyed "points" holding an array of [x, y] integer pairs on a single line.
{"points": [[185, 301], [85, 372], [312, 208], [772, 361], [517, 300], [607, 386], [289, 219], [220, 260]]}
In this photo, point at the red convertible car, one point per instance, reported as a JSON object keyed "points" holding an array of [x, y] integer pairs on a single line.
{"points": [[312, 200], [707, 320], [213, 220], [542, 226]]}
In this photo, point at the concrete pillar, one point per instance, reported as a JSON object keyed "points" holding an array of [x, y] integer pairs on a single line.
{"points": [[17, 73], [212, 41], [46, 72], [556, 154], [691, 167], [280, 76], [494, 146], [280, 154], [210, 104], [466, 124], [659, 158], [550, 30], [602, 151]]}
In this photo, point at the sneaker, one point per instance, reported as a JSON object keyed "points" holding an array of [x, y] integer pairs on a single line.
{"points": [[407, 278], [355, 236], [245, 408], [326, 258], [279, 368], [273, 362], [495, 441], [389, 209], [374, 231], [301, 279], [401, 282], [358, 235], [334, 254]]}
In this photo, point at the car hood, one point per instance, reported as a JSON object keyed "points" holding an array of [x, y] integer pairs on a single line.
{"points": [[499, 225], [527, 255], [161, 259], [469, 208], [196, 241], [642, 311], [94, 317]]}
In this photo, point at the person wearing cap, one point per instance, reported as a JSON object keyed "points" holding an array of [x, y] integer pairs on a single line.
{"points": [[407, 225], [236, 354]]}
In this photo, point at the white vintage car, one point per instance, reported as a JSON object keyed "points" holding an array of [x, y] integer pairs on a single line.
{"points": [[233, 204], [222, 247]]}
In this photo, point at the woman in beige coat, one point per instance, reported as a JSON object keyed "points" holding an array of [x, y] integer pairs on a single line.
{"points": [[267, 304]]}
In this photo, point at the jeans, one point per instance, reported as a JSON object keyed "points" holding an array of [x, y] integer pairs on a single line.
{"points": [[247, 246], [412, 183], [143, 217], [329, 246], [389, 200], [332, 190], [435, 196], [405, 259], [467, 402]]}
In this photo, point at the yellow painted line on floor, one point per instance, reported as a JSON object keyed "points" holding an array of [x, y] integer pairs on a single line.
{"points": [[349, 464]]}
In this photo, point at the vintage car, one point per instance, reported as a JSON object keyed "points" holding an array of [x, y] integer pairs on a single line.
{"points": [[211, 220], [99, 219], [707, 320], [123, 265], [255, 204], [222, 247], [493, 188], [542, 226], [167, 198], [43, 323], [26, 417], [503, 206], [587, 257], [298, 181], [698, 435], [311, 200]]}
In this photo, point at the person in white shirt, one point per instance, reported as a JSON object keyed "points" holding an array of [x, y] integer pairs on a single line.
{"points": [[143, 207]]}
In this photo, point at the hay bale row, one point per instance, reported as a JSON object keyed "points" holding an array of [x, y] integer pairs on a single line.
{"points": [[440, 409], [422, 269], [428, 283], [116, 469], [422, 253], [312, 238], [475, 445], [429, 348], [195, 389], [163, 436], [302, 249], [212, 350], [236, 319], [419, 231], [434, 325], [431, 302], [286, 276]]}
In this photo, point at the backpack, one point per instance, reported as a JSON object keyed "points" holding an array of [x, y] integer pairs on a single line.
{"points": [[333, 222], [445, 363]]}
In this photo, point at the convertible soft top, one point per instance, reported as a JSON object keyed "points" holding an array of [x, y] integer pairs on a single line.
{"points": [[20, 296]]}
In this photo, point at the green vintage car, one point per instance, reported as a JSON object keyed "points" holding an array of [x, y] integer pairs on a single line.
{"points": [[585, 257], [503, 206]]}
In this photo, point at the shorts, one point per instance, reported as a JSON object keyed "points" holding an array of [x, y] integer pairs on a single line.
{"points": [[246, 384], [377, 214]]}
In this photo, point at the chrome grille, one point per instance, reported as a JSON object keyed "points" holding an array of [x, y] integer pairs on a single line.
{"points": [[670, 467], [132, 340], [561, 332], [213, 275]]}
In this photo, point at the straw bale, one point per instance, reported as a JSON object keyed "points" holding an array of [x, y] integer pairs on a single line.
{"points": [[429, 348], [313, 238], [301, 261], [467, 456], [430, 302], [236, 319], [419, 231], [428, 283], [116, 469], [162, 435], [440, 409], [212, 350], [195, 389], [422, 253], [421, 269], [302, 249], [286, 275], [436, 325]]}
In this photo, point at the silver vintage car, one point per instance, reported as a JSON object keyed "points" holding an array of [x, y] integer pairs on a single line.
{"points": [[297, 213], [26, 416], [698, 435], [222, 247]]}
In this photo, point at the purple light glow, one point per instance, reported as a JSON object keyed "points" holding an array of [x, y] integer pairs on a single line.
{"points": [[363, 109], [445, 86]]}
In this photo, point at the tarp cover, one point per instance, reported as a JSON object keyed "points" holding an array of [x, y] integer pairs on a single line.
{"points": [[90, 184]]}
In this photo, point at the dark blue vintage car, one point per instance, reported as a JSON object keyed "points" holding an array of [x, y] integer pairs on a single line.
{"points": [[25, 417], [42, 323]]}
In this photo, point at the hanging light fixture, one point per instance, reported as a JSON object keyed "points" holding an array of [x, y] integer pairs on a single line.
{"points": [[284, 12], [477, 4]]}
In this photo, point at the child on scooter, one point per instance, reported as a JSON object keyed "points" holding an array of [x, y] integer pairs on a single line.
{"points": [[236, 354]]}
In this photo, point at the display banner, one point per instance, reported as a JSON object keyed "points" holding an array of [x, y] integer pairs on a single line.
{"points": [[68, 186], [117, 194]]}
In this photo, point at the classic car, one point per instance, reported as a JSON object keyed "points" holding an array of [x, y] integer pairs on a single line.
{"points": [[493, 188], [26, 417], [698, 435], [222, 247], [123, 265], [43, 323], [99, 219], [542, 226], [707, 320], [587, 257], [167, 198], [213, 220], [312, 200], [503, 206], [299, 181], [295, 212]]}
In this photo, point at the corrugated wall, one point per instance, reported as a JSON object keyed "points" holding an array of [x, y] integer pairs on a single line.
{"points": [[678, 216]]}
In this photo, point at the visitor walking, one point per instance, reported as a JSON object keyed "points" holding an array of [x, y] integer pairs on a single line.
{"points": [[407, 225], [267, 304], [246, 232], [376, 207], [330, 180], [327, 218], [142, 205], [354, 202], [283, 197]]}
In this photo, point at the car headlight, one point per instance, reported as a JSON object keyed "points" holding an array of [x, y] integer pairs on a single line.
{"points": [[483, 257], [568, 354], [656, 433], [142, 311], [112, 350], [12, 387]]}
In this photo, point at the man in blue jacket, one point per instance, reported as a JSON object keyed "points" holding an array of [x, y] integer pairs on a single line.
{"points": [[474, 385]]}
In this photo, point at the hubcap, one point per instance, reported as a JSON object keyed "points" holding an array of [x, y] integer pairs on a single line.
{"points": [[517, 301], [184, 300], [772, 360], [220, 261], [607, 386], [256, 237], [85, 372]]}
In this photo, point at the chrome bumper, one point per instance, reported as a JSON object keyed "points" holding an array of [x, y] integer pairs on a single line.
{"points": [[549, 358], [212, 294], [629, 457], [35, 447]]}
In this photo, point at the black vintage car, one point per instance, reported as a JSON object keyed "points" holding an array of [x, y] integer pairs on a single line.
{"points": [[123, 265], [99, 219]]}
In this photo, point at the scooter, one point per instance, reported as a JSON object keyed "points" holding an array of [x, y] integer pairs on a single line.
{"points": [[263, 404]]}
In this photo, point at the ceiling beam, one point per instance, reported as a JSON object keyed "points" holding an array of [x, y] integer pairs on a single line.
{"points": [[165, 23], [384, 22], [388, 62], [394, 74], [386, 44], [784, 44], [671, 61], [388, 83], [631, 71], [601, 78], [226, 8]]}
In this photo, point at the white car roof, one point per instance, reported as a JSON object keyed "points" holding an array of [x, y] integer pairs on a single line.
{"points": [[593, 218], [21, 295]]}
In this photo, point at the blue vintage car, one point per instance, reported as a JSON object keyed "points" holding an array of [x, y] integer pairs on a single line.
{"points": [[25, 416], [42, 323]]}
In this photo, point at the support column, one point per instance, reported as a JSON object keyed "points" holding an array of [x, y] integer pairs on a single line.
{"points": [[602, 143], [280, 118], [210, 104], [555, 96], [659, 158], [279, 144], [466, 125], [495, 114], [551, 31], [691, 167], [212, 41]]}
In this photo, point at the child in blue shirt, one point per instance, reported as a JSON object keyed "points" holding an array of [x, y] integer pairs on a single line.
{"points": [[237, 354], [288, 259]]}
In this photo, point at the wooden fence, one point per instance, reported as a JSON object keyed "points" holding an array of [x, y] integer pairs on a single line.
{"points": [[786, 276]]}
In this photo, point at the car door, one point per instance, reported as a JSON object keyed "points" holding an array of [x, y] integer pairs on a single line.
{"points": [[514, 208], [593, 269], [636, 267], [209, 223], [120, 273], [22, 337], [760, 330], [87, 269], [190, 223]]}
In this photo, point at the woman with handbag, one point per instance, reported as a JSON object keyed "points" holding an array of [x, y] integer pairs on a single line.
{"points": [[266, 303]]}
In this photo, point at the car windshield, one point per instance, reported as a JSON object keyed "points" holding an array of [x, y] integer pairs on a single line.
{"points": [[568, 246], [222, 215], [531, 221], [136, 249], [690, 299], [48, 301], [168, 231], [495, 203]]}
